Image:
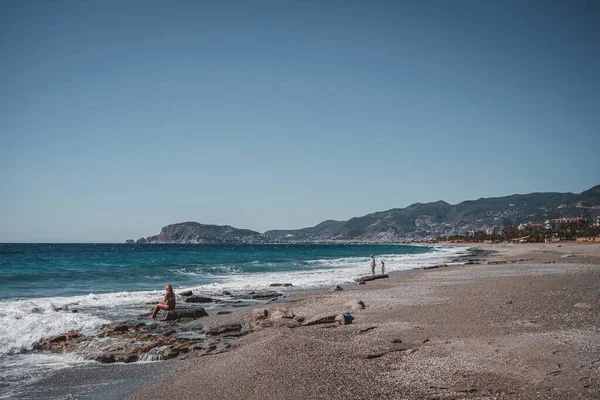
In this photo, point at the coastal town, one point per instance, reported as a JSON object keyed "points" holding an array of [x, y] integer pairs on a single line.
{"points": [[554, 230]]}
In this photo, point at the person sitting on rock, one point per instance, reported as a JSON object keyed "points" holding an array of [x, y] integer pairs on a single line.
{"points": [[167, 304]]}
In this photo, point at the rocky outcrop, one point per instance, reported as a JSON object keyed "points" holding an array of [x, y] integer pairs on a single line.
{"points": [[137, 341], [224, 329], [265, 295], [193, 313], [196, 233], [198, 299]]}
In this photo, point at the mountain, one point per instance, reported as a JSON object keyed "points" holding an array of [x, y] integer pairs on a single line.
{"points": [[193, 232], [421, 221], [416, 222]]}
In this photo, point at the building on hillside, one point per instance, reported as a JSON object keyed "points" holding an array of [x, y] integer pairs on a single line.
{"points": [[532, 226], [568, 222], [477, 234]]}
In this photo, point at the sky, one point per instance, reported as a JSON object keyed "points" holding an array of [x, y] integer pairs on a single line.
{"points": [[120, 117]]}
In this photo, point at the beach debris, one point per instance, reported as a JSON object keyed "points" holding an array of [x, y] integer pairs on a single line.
{"points": [[199, 299], [370, 328], [368, 278], [191, 313], [355, 304], [383, 350], [465, 389], [344, 319], [336, 288], [425, 340], [187, 293], [585, 306], [281, 284], [320, 319]]}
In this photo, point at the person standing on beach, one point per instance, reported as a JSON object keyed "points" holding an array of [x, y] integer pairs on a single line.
{"points": [[373, 264], [382, 267]]}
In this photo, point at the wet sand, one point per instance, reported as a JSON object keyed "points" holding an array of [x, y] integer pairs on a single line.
{"points": [[522, 324]]}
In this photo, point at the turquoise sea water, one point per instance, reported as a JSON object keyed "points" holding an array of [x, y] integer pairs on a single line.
{"points": [[47, 270], [53, 288]]}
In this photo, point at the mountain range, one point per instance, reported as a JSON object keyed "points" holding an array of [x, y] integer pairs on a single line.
{"points": [[418, 221]]}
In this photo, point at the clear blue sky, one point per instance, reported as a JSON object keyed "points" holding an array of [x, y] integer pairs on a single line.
{"points": [[120, 117]]}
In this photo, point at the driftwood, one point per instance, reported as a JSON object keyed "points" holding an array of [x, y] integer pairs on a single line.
{"points": [[371, 277]]}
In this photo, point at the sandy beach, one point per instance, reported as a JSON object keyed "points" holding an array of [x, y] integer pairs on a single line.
{"points": [[523, 322]]}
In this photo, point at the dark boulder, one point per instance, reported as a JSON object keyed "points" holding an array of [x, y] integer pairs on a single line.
{"points": [[198, 299], [191, 313]]}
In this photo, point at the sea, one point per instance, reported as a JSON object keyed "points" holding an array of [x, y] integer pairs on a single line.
{"points": [[48, 289]]}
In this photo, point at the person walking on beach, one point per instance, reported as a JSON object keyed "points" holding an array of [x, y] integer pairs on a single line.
{"points": [[167, 304], [382, 267], [372, 264]]}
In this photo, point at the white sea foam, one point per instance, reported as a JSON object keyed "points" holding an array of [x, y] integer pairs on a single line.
{"points": [[330, 272], [24, 322]]}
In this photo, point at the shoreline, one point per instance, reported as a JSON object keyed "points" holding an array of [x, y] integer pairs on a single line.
{"points": [[417, 307], [525, 328]]}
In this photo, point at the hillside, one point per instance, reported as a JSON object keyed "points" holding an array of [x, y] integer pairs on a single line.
{"points": [[416, 222], [420, 221]]}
